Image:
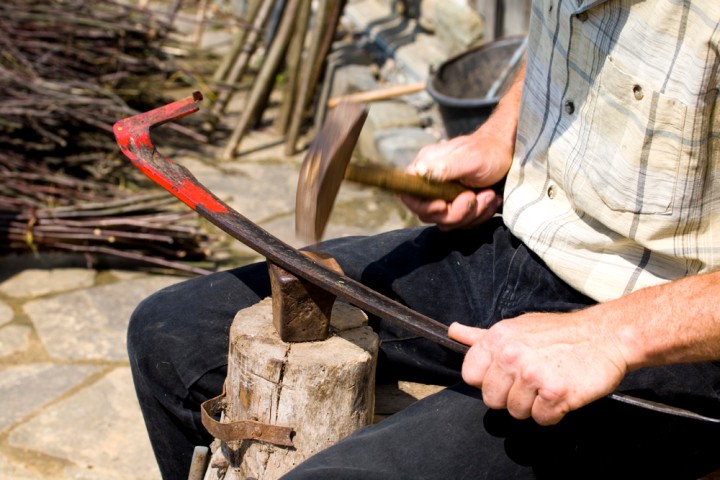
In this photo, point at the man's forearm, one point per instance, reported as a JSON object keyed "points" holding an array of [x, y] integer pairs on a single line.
{"points": [[497, 134], [678, 322], [504, 119]]}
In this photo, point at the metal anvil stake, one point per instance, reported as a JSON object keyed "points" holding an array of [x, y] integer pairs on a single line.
{"points": [[301, 310]]}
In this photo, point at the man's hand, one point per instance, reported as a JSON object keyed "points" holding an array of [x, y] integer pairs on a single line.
{"points": [[476, 160], [541, 365]]}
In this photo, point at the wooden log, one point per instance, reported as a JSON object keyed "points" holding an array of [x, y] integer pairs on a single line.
{"points": [[323, 390]]}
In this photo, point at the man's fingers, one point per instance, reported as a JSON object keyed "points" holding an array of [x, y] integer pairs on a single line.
{"points": [[549, 409], [474, 368], [446, 160], [436, 170], [425, 208], [521, 398], [464, 334], [480, 209], [460, 213]]}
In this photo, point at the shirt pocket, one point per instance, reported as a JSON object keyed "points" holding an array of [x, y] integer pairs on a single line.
{"points": [[634, 143]]}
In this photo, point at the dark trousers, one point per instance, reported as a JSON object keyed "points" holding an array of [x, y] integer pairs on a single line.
{"points": [[178, 343]]}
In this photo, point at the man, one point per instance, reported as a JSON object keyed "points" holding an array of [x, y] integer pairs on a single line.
{"points": [[603, 271]]}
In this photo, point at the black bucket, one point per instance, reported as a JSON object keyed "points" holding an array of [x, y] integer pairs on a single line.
{"points": [[461, 84]]}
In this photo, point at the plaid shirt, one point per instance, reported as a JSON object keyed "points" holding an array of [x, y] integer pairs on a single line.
{"points": [[614, 182]]}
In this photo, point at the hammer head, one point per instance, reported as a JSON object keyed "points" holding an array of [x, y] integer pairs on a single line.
{"points": [[324, 168]]}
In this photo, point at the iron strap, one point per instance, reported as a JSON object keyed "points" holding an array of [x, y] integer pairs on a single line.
{"points": [[242, 429]]}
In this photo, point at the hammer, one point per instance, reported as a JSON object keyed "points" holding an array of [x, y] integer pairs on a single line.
{"points": [[327, 164]]}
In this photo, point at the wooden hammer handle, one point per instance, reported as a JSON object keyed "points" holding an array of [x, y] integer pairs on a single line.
{"points": [[401, 182], [379, 94]]}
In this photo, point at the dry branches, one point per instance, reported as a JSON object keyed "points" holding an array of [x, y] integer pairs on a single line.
{"points": [[69, 69], [45, 210]]}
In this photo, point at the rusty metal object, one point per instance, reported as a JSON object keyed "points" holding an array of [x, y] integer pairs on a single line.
{"points": [[301, 310], [327, 164], [242, 429], [133, 138], [318, 183]]}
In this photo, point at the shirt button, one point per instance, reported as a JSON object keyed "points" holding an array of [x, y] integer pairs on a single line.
{"points": [[569, 107], [582, 16], [638, 92], [551, 192]]}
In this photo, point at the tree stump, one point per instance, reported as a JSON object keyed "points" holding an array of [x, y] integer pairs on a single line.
{"points": [[322, 390]]}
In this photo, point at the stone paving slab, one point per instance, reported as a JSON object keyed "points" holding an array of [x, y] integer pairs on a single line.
{"points": [[401, 145], [24, 388], [14, 339], [98, 431], [74, 417], [12, 469], [383, 115], [415, 53], [36, 283], [6, 313], [91, 323]]}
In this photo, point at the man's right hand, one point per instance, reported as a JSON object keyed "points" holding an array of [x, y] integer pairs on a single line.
{"points": [[478, 161]]}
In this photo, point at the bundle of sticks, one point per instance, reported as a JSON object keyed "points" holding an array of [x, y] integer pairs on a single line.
{"points": [[66, 69], [69, 70], [45, 210]]}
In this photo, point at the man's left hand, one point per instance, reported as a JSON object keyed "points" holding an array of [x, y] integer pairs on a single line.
{"points": [[541, 365]]}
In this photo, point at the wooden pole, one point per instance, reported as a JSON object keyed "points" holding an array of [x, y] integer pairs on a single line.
{"points": [[243, 59], [384, 93], [264, 81], [333, 20], [200, 22], [329, 13], [223, 70], [298, 110], [294, 61]]}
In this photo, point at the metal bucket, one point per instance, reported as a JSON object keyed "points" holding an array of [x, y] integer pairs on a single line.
{"points": [[462, 83]]}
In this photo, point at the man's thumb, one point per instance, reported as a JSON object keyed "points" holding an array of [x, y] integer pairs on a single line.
{"points": [[464, 334]]}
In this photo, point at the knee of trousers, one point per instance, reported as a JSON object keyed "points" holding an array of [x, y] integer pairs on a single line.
{"points": [[150, 339]]}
